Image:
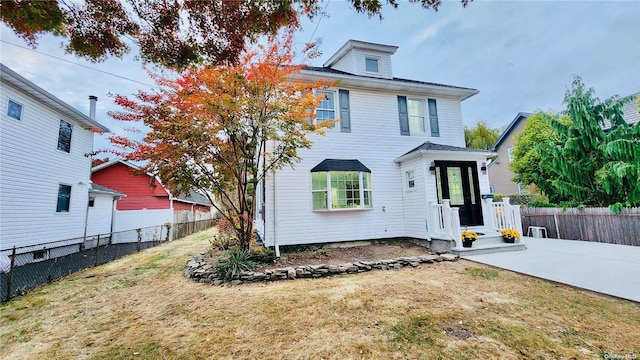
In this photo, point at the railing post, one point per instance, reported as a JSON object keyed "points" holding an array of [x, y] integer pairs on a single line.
{"points": [[456, 231], [139, 231], [488, 214], [10, 277]]}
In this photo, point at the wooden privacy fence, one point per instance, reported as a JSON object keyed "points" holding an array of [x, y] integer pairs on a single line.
{"points": [[588, 224]]}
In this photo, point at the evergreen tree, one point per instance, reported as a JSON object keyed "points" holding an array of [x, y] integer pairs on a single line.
{"points": [[595, 159]]}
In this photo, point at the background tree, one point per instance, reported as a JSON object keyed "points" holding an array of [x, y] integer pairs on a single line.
{"points": [[222, 129], [586, 164], [171, 33], [527, 153], [481, 136]]}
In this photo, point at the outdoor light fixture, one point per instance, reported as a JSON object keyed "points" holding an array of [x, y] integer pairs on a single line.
{"points": [[432, 168], [484, 168]]}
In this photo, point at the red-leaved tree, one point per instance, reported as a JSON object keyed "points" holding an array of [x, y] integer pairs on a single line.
{"points": [[222, 129]]}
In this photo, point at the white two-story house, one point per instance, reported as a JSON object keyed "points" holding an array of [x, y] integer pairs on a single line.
{"points": [[394, 166], [45, 188]]}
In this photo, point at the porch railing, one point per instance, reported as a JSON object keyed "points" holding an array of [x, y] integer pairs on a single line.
{"points": [[505, 215], [446, 221]]}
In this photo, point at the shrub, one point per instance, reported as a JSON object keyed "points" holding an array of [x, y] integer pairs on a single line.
{"points": [[234, 263], [262, 255]]}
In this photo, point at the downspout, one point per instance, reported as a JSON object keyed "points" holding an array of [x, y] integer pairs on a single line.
{"points": [[92, 115], [275, 214]]}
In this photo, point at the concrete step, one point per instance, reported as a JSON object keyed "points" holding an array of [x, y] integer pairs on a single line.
{"points": [[488, 248]]}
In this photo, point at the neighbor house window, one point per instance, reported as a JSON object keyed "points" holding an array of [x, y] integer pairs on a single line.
{"points": [[341, 184], [416, 116], [411, 181], [371, 65], [64, 198], [510, 153], [14, 110], [326, 110], [64, 136]]}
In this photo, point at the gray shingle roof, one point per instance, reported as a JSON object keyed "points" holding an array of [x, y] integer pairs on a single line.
{"points": [[95, 188], [340, 165], [439, 147], [630, 110], [505, 134], [338, 72]]}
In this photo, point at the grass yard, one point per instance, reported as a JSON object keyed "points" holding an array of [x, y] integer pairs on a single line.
{"points": [[141, 307]]}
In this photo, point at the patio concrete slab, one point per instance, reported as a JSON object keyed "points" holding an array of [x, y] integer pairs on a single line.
{"points": [[604, 268]]}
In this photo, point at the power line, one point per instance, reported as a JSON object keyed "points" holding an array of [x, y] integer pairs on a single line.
{"points": [[77, 64]]}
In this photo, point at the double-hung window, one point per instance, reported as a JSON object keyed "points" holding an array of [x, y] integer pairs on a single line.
{"points": [[416, 116], [411, 179], [336, 185], [326, 110]]}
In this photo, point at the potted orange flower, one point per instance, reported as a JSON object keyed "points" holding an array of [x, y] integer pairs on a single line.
{"points": [[468, 237], [510, 235]]}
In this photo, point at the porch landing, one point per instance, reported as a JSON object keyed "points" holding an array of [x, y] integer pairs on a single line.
{"points": [[488, 243]]}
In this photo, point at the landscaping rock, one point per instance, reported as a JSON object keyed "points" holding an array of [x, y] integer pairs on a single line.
{"points": [[197, 269]]}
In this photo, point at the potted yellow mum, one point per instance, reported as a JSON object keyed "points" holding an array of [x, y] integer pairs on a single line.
{"points": [[510, 235], [468, 237]]}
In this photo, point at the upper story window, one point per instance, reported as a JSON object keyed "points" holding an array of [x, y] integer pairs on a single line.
{"points": [[64, 136], [416, 116], [64, 198], [341, 184], [510, 153], [326, 110], [411, 179], [412, 115], [14, 110], [372, 64]]}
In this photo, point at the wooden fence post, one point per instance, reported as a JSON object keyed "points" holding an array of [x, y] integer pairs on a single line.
{"points": [[168, 226], [10, 277], [95, 263], [139, 231]]}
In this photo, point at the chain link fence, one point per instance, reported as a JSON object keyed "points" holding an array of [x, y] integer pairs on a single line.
{"points": [[23, 268]]}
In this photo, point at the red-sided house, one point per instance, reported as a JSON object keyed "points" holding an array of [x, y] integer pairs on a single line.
{"points": [[148, 202]]}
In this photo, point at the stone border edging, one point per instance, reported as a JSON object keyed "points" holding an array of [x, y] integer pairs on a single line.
{"points": [[198, 270]]}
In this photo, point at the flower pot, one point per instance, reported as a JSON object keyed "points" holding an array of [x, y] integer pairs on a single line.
{"points": [[509, 240], [467, 243]]}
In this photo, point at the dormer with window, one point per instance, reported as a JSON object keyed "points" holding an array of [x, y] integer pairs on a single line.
{"points": [[364, 59]]}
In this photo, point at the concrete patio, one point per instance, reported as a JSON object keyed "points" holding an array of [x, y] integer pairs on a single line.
{"points": [[604, 268]]}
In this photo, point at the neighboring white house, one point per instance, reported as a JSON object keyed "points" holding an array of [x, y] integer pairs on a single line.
{"points": [[386, 169], [45, 171]]}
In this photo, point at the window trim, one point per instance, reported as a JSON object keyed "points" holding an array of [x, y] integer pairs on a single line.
{"points": [[68, 210], [336, 109], [328, 191], [410, 178], [509, 154], [19, 118], [374, 58], [60, 133], [424, 115]]}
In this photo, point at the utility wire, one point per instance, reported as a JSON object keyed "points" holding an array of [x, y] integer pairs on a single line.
{"points": [[77, 64]]}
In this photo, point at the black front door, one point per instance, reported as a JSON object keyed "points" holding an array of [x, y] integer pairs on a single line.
{"points": [[458, 182]]}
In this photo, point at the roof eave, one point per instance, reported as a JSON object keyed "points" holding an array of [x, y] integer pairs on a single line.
{"points": [[310, 76], [418, 153], [37, 92]]}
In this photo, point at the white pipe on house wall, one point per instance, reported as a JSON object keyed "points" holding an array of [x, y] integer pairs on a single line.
{"points": [[275, 215]]}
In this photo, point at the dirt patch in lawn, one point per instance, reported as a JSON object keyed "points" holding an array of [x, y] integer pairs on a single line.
{"points": [[349, 254]]}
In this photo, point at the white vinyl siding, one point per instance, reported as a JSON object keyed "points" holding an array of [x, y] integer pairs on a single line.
{"points": [[31, 174]]}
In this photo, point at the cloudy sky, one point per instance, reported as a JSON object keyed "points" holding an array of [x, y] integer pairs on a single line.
{"points": [[522, 56]]}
